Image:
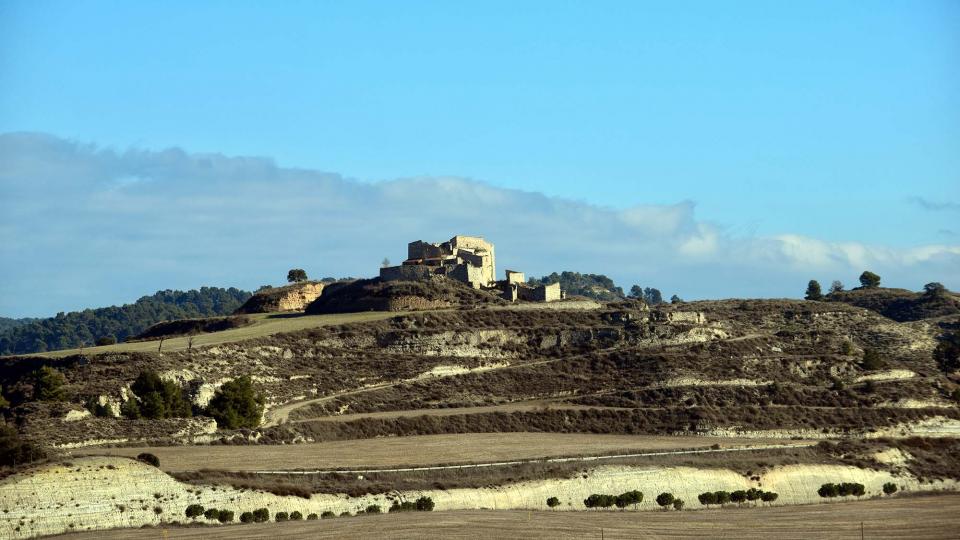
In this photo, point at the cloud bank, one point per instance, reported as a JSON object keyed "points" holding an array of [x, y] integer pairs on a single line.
{"points": [[85, 226]]}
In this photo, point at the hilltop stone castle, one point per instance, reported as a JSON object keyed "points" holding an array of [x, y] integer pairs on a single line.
{"points": [[471, 260]]}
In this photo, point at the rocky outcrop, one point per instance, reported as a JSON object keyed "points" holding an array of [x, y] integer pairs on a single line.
{"points": [[293, 297]]}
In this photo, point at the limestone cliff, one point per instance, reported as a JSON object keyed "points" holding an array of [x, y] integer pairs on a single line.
{"points": [[293, 297]]}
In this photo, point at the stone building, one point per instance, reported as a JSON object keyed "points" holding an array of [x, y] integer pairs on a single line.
{"points": [[469, 259]]}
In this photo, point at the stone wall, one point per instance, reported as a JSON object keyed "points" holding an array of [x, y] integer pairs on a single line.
{"points": [[406, 272]]}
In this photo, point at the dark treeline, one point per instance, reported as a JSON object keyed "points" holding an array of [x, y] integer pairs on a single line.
{"points": [[84, 328]]}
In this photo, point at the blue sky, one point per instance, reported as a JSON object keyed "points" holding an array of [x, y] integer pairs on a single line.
{"points": [[745, 122]]}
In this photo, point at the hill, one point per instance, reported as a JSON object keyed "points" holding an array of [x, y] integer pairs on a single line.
{"points": [[377, 295], [596, 286], [83, 328], [900, 304]]}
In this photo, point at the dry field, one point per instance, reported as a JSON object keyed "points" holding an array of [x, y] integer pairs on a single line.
{"points": [[265, 324], [928, 517], [423, 450]]}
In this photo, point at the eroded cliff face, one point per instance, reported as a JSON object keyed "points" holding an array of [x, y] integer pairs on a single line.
{"points": [[294, 297], [100, 493]]}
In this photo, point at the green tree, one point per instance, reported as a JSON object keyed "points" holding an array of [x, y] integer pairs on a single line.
{"points": [[739, 496], [678, 504], [373, 509], [723, 497], [211, 513], [225, 516], [424, 504], [16, 451], [296, 274], [636, 291], [48, 385], [754, 494], [675, 299], [246, 517], [106, 340], [159, 398], [829, 490], [261, 515], [281, 516], [236, 405], [553, 502], [813, 290], [769, 496], [665, 500], [130, 409], [296, 515], [836, 286], [889, 488], [652, 296], [869, 280], [707, 498], [935, 290]]}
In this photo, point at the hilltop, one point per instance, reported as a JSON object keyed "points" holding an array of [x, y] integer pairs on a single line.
{"points": [[900, 304]]}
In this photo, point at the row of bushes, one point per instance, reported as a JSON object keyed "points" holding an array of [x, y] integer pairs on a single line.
{"points": [[223, 516], [623, 500], [841, 490], [739, 496], [423, 504]]}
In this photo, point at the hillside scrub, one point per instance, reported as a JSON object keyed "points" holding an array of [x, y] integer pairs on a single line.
{"points": [[184, 327]]}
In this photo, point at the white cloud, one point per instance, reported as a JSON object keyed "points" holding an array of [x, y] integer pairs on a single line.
{"points": [[85, 226]]}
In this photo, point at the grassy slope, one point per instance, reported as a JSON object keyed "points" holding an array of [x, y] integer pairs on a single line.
{"points": [[265, 324]]}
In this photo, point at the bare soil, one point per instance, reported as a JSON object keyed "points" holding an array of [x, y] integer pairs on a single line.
{"points": [[412, 451]]}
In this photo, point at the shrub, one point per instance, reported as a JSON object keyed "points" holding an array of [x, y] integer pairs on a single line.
{"points": [[889, 488], [665, 499], [212, 513], [157, 510], [373, 509], [296, 515], [846, 348], [225, 516], [553, 502], [246, 517], [327, 515], [425, 504], [194, 510], [405, 506], [149, 459], [130, 409], [261, 515], [281, 516], [106, 340], [871, 360], [678, 504], [769, 496], [236, 405], [312, 517]]}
